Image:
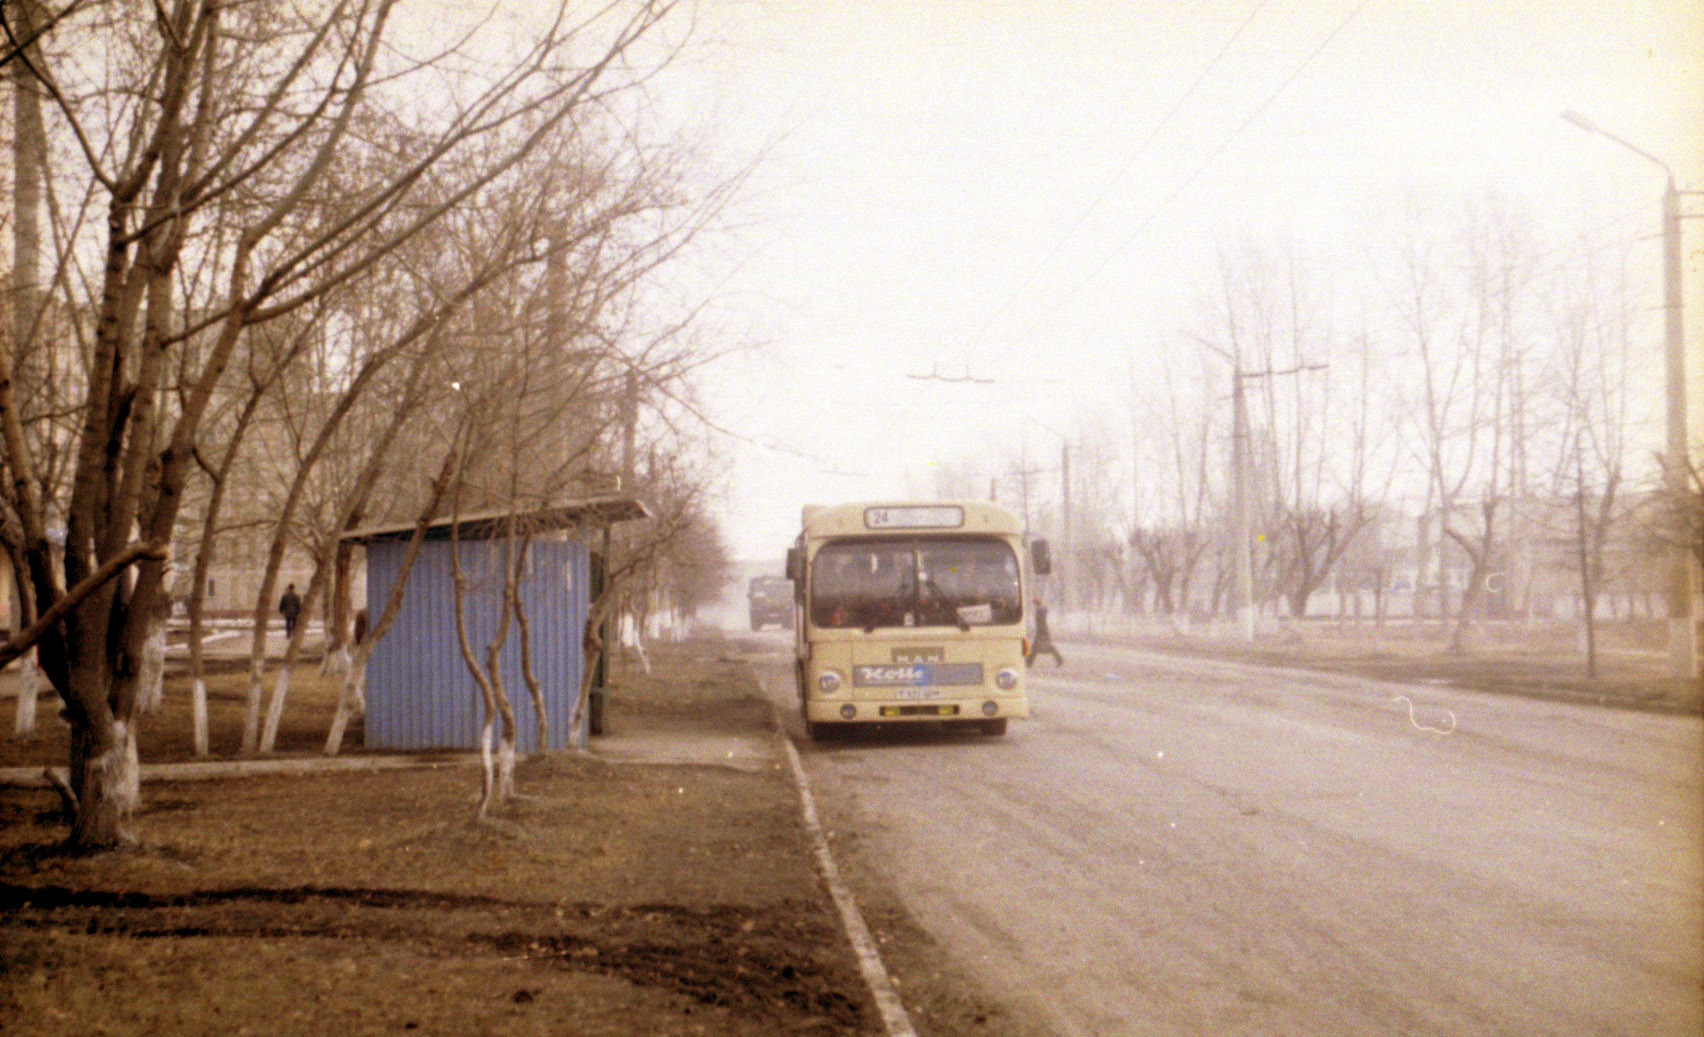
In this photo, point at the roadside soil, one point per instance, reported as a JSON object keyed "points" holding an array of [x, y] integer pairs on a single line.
{"points": [[611, 899], [1537, 661]]}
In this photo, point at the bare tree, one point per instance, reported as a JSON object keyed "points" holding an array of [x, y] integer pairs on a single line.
{"points": [[1171, 537], [246, 111], [1592, 333], [1473, 346]]}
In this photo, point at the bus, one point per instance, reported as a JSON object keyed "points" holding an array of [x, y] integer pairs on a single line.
{"points": [[910, 612]]}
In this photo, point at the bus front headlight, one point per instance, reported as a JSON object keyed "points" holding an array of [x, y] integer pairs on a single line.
{"points": [[828, 682], [1006, 679]]}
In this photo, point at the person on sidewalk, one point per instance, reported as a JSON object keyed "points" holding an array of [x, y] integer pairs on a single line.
{"points": [[290, 606], [1043, 640]]}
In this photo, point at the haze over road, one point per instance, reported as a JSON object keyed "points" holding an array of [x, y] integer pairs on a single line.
{"points": [[1184, 847]]}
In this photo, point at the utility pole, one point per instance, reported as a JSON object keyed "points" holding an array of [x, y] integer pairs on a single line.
{"points": [[1683, 621], [1067, 578], [629, 426], [1241, 476], [1245, 521]]}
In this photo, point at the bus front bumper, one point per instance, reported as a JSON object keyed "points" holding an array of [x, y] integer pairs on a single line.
{"points": [[901, 711]]}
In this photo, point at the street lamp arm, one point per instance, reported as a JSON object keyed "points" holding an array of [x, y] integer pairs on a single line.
{"points": [[1591, 127]]}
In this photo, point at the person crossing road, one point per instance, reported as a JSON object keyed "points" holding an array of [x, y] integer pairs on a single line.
{"points": [[1043, 639]]}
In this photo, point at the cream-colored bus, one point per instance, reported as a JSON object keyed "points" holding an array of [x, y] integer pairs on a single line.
{"points": [[911, 611]]}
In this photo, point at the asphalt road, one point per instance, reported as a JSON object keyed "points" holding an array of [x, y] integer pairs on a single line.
{"points": [[1177, 847]]}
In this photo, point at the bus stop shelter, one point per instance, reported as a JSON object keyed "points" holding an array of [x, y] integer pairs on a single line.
{"points": [[420, 693]]}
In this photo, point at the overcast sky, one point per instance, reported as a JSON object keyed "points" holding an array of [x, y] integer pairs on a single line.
{"points": [[1034, 192]]}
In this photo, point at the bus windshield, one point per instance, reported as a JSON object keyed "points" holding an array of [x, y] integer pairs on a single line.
{"points": [[961, 581]]}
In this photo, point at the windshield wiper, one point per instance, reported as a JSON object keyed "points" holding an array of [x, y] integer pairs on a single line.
{"points": [[940, 596]]}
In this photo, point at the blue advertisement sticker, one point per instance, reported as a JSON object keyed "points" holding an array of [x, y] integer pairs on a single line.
{"points": [[911, 675]]}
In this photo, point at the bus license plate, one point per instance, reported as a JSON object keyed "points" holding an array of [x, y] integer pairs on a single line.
{"points": [[917, 693]]}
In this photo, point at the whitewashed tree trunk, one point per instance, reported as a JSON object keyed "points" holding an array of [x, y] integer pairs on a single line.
{"points": [[152, 680], [487, 775], [275, 710], [505, 769], [111, 789], [29, 686], [251, 712], [339, 722], [635, 626], [198, 707], [336, 662], [130, 773], [350, 702]]}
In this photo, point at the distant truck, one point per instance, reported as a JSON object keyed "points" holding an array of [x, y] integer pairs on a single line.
{"points": [[771, 600]]}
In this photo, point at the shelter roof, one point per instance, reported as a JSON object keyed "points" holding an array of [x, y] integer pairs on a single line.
{"points": [[597, 511]]}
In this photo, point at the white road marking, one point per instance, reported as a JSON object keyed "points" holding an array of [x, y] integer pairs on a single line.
{"points": [[894, 1016]]}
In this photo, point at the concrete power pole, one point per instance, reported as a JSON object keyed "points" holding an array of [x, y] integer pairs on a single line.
{"points": [[1245, 521], [1241, 475], [629, 427], [1683, 621], [1068, 575]]}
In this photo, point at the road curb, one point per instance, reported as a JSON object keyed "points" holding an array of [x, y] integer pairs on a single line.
{"points": [[34, 777], [894, 1017]]}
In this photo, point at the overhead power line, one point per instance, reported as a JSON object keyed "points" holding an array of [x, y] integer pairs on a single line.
{"points": [[1153, 214], [1112, 181]]}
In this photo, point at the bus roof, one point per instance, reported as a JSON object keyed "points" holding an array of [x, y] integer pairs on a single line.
{"points": [[864, 518]]}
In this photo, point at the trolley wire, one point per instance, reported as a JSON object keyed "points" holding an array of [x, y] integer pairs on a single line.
{"points": [[1148, 221], [1112, 181]]}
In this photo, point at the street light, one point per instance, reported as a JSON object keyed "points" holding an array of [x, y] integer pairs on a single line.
{"points": [[1683, 628]]}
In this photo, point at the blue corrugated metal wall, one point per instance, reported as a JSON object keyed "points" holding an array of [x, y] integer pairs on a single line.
{"points": [[419, 692]]}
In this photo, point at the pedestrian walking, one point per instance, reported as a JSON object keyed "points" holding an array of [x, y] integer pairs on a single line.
{"points": [[1043, 640], [290, 606]]}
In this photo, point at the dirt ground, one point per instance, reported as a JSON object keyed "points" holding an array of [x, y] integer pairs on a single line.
{"points": [[614, 899], [1535, 660]]}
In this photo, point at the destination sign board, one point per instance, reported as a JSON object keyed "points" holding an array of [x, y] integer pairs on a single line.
{"points": [[931, 516]]}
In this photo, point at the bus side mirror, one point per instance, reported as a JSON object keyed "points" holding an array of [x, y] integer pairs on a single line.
{"points": [[1041, 559], [795, 565]]}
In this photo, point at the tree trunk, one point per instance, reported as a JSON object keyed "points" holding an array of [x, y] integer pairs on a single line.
{"points": [[1460, 639], [350, 699], [106, 779], [292, 650], [251, 704], [487, 768], [198, 707], [29, 687], [275, 710], [29, 169], [152, 680], [506, 765], [1299, 602]]}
